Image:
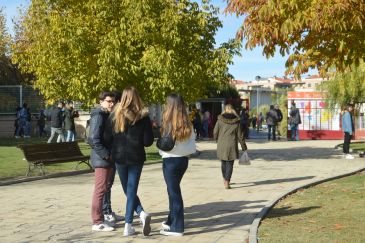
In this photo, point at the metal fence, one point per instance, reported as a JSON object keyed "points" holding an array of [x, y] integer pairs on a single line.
{"points": [[13, 96]]}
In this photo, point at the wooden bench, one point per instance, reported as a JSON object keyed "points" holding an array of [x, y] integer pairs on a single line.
{"points": [[39, 155]]}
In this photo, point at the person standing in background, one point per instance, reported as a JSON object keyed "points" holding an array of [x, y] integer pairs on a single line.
{"points": [[294, 121], [280, 118], [271, 121], [41, 123], [57, 123], [69, 122], [348, 129]]}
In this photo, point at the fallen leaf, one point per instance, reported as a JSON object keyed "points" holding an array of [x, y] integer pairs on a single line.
{"points": [[312, 221], [339, 226]]}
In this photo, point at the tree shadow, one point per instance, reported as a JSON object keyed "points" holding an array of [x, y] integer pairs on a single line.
{"points": [[215, 216], [288, 211], [281, 154]]}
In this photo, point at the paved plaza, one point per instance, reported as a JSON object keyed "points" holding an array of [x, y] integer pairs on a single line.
{"points": [[58, 209]]}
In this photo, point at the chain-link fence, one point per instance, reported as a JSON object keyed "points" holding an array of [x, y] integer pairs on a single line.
{"points": [[13, 96]]}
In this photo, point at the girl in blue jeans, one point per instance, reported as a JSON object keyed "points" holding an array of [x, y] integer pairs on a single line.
{"points": [[176, 122], [128, 132]]}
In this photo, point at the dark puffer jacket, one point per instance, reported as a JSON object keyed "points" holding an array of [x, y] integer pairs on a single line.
{"points": [[100, 150], [128, 147], [228, 133], [56, 117]]}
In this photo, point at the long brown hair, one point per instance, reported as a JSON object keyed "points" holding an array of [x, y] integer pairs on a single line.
{"points": [[128, 110], [175, 119]]}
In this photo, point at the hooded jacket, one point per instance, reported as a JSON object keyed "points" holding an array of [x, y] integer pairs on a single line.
{"points": [[228, 133], [100, 150], [128, 147]]}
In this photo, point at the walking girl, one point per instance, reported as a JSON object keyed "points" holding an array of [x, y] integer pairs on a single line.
{"points": [[128, 132], [176, 122], [227, 133]]}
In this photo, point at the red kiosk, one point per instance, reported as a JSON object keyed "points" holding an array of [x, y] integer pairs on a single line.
{"points": [[318, 122]]}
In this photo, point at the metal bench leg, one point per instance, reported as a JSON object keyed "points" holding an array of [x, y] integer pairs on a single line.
{"points": [[85, 162], [29, 168], [41, 168]]}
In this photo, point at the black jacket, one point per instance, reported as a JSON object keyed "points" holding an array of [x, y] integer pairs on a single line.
{"points": [[69, 119], [99, 148], [128, 147], [56, 117]]}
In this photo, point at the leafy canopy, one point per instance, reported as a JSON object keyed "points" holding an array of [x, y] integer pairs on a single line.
{"points": [[78, 48], [318, 33], [345, 88]]}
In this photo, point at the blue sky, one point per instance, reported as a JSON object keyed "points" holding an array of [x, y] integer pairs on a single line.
{"points": [[251, 64]]}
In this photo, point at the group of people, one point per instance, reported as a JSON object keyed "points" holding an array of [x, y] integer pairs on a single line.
{"points": [[202, 123], [63, 122], [273, 118], [119, 133], [22, 122]]}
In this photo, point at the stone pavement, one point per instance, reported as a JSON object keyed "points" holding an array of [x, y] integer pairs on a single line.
{"points": [[58, 209]]}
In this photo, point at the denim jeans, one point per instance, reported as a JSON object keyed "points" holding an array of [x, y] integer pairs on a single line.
{"points": [[173, 171], [294, 132], [129, 177], [59, 131], [107, 205], [271, 130], [70, 136]]}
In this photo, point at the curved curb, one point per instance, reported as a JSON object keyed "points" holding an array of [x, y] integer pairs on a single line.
{"points": [[261, 215]]}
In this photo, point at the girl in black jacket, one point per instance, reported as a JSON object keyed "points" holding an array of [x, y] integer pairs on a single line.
{"points": [[129, 130]]}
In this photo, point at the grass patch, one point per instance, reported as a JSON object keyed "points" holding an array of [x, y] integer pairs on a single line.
{"points": [[356, 146], [330, 212], [12, 164]]}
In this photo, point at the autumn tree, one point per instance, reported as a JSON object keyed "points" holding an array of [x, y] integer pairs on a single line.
{"points": [[316, 33], [78, 48]]}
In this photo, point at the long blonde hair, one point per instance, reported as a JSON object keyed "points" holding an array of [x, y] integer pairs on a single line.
{"points": [[175, 119], [229, 109], [128, 110]]}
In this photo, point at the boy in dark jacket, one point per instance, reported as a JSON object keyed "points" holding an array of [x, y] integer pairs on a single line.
{"points": [[271, 121], [101, 159]]}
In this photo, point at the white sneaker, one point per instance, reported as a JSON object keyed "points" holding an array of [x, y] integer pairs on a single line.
{"points": [[170, 233], [349, 156], [165, 226], [146, 220], [101, 227], [128, 230]]}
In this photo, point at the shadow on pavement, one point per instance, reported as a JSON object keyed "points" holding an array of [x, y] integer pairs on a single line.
{"points": [[281, 154], [265, 182], [215, 216]]}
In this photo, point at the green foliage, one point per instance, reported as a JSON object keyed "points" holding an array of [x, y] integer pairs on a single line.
{"points": [[316, 33], [281, 99], [223, 91], [345, 88], [78, 48]]}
